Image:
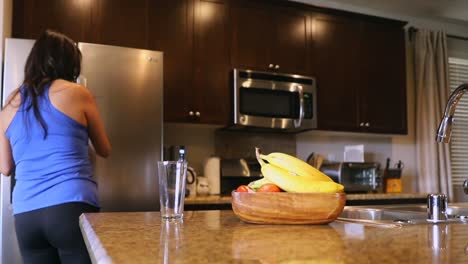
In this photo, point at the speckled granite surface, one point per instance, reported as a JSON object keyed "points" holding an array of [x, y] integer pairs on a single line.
{"points": [[220, 237], [216, 199]]}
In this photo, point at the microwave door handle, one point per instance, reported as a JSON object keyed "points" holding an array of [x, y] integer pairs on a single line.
{"points": [[297, 122]]}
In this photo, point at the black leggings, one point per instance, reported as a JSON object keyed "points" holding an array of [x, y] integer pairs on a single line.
{"points": [[52, 234]]}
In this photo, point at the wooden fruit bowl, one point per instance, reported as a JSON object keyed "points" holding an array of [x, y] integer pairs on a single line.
{"points": [[287, 208]]}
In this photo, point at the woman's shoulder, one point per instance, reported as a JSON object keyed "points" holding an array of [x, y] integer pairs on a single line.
{"points": [[12, 101], [10, 108], [62, 88]]}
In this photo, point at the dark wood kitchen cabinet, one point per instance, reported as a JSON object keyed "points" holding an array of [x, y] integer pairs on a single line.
{"points": [[193, 37], [171, 26], [192, 34], [269, 36], [31, 17], [357, 60], [335, 42], [383, 101], [121, 22], [360, 69], [112, 22], [211, 96]]}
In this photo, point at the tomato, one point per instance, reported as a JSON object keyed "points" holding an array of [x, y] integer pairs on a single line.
{"points": [[269, 187], [243, 188]]}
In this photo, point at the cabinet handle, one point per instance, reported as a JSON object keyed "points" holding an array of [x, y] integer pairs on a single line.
{"points": [[367, 124], [197, 114], [271, 66], [361, 124], [190, 113], [277, 66]]}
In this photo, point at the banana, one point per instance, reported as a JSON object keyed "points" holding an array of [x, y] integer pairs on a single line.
{"points": [[294, 165], [292, 183]]}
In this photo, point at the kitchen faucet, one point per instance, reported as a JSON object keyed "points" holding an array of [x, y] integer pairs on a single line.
{"points": [[445, 128]]}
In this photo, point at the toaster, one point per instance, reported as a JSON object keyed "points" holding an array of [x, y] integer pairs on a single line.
{"points": [[356, 177]]}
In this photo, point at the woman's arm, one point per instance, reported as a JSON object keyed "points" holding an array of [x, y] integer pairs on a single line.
{"points": [[6, 156], [97, 133]]}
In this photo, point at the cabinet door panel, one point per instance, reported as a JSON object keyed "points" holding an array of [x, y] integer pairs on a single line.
{"points": [[251, 33], [385, 91], [171, 32], [122, 22], [71, 17], [211, 71], [334, 60], [290, 50]]}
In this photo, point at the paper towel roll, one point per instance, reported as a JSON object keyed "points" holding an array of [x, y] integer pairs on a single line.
{"points": [[212, 171]]}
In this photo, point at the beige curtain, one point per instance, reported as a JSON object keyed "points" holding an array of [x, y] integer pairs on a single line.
{"points": [[432, 92]]}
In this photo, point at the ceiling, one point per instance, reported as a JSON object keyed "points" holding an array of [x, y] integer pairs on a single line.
{"points": [[447, 11]]}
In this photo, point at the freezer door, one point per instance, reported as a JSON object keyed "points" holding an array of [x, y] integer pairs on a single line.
{"points": [[127, 84]]}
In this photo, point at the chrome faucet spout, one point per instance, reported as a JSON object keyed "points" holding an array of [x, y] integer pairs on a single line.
{"points": [[444, 131]]}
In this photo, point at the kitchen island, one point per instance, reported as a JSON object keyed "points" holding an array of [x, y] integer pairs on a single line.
{"points": [[220, 237]]}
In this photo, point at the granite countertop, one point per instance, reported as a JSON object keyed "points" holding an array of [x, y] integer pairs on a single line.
{"points": [[223, 199], [220, 237]]}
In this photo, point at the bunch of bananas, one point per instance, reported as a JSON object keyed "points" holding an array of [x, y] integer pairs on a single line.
{"points": [[294, 175]]}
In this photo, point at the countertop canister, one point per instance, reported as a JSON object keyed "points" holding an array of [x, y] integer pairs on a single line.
{"points": [[212, 171]]}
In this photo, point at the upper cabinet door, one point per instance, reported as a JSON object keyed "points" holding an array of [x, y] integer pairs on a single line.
{"points": [[122, 22], [289, 49], [211, 63], [71, 17], [335, 64], [383, 66], [251, 36], [171, 24], [269, 37]]}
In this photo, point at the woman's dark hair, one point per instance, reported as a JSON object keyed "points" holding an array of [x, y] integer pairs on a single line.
{"points": [[53, 56]]}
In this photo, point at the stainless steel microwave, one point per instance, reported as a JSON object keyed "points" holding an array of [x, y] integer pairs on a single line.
{"points": [[274, 100]]}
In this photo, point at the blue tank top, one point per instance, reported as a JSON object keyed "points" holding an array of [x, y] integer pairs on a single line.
{"points": [[52, 170]]}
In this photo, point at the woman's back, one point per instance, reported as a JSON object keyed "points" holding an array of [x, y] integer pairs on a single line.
{"points": [[53, 168], [45, 128]]}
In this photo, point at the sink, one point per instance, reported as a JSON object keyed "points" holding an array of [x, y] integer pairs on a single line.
{"points": [[383, 215], [380, 214], [409, 208], [454, 209], [397, 215], [460, 209]]}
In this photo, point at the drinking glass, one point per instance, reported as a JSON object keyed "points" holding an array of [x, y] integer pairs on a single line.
{"points": [[172, 176]]}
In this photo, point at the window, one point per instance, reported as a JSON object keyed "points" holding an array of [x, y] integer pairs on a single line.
{"points": [[458, 74]]}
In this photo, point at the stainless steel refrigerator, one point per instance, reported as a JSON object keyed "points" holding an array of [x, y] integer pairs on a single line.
{"points": [[128, 87]]}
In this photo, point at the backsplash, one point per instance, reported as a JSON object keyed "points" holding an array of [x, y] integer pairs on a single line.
{"points": [[331, 145], [203, 141], [235, 144]]}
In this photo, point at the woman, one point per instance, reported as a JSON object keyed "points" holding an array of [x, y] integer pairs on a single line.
{"points": [[45, 127]]}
